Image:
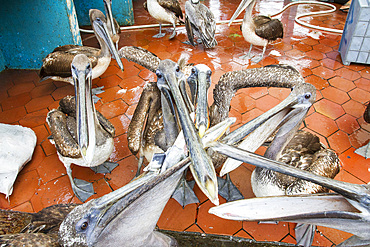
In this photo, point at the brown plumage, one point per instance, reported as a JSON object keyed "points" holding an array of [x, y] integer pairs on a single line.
{"points": [[267, 28], [173, 6], [32, 229]]}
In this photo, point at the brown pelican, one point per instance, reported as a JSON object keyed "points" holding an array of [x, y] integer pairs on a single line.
{"points": [[112, 24], [57, 65], [365, 150], [81, 135], [164, 11], [259, 30], [32, 229], [349, 211], [200, 21], [128, 216]]}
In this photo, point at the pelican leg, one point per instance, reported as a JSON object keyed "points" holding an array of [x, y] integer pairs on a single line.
{"points": [[187, 42], [184, 193], [174, 31], [228, 190], [96, 91], [257, 59], [106, 167], [82, 189], [160, 34], [304, 234], [248, 55]]}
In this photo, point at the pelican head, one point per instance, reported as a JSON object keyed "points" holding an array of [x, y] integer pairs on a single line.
{"points": [[169, 76], [124, 217], [242, 6], [85, 109], [199, 82], [99, 25]]}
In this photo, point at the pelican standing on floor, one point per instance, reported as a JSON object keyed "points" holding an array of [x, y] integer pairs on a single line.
{"points": [[112, 24], [200, 21], [83, 137], [164, 11], [259, 30], [57, 65]]}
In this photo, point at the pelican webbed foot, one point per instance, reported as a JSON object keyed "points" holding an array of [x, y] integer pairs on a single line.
{"points": [[173, 34], [256, 59], [187, 42], [95, 92], [160, 34], [184, 193], [106, 167], [228, 190], [82, 189], [304, 234]]}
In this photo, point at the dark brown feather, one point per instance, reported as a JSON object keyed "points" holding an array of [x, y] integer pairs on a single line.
{"points": [[58, 63], [173, 6], [267, 28]]}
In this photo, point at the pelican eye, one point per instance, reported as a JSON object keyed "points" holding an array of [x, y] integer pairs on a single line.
{"points": [[158, 73], [193, 70], [84, 225], [177, 69], [307, 95], [209, 72]]}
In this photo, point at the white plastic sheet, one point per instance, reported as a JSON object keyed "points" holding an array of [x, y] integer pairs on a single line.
{"points": [[17, 144]]}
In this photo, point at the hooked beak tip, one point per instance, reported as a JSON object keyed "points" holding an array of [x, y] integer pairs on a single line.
{"points": [[202, 130], [212, 191]]}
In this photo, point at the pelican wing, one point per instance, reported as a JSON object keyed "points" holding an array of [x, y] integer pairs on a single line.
{"points": [[140, 56], [189, 31], [145, 111], [68, 106], [58, 63], [267, 28], [64, 140], [173, 6], [203, 21]]}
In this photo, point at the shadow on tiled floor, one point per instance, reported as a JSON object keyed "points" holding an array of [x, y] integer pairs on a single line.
{"points": [[336, 117]]}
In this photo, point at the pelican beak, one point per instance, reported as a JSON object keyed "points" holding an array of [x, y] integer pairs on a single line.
{"points": [[357, 195], [286, 116], [85, 110], [101, 28], [121, 210], [243, 4], [108, 10], [201, 112], [202, 168], [299, 101]]}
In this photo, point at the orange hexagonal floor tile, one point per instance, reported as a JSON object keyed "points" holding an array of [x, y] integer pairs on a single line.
{"points": [[342, 92]]}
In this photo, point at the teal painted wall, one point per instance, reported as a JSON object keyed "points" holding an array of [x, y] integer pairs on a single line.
{"points": [[2, 61], [30, 29], [122, 11]]}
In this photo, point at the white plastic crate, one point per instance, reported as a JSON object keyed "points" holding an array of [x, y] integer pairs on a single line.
{"points": [[355, 43]]}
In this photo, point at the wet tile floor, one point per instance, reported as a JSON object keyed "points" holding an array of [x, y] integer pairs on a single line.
{"points": [[336, 116]]}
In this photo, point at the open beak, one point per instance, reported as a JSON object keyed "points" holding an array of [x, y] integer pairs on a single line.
{"points": [[125, 206], [101, 28], [348, 211], [286, 116], [202, 168], [243, 4], [357, 194], [85, 109]]}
